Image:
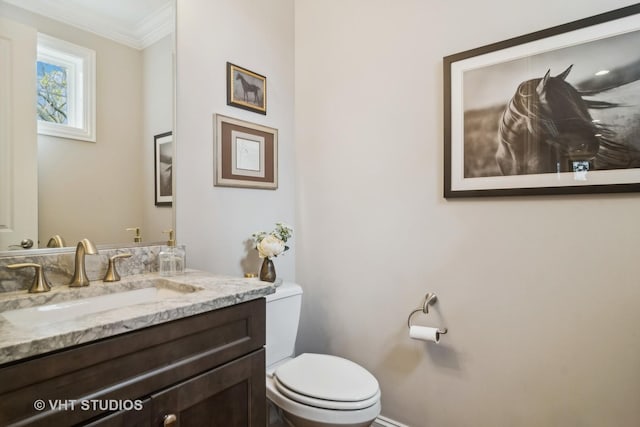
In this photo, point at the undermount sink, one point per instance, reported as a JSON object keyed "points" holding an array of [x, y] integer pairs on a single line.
{"points": [[149, 291]]}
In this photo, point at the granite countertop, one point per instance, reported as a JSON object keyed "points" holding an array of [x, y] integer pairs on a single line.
{"points": [[198, 292]]}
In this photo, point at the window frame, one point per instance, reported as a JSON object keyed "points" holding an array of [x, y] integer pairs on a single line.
{"points": [[80, 63]]}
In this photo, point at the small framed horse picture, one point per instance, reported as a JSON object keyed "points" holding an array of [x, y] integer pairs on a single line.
{"points": [[246, 89], [550, 112]]}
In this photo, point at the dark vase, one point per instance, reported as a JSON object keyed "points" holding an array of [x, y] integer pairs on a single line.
{"points": [[268, 271]]}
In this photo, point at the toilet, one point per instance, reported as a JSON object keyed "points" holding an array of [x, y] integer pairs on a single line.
{"points": [[313, 390]]}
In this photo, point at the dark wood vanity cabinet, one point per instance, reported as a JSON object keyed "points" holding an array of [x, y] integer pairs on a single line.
{"points": [[203, 370]]}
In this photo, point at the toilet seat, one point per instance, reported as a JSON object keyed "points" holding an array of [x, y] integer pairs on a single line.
{"points": [[324, 417], [325, 404], [327, 382]]}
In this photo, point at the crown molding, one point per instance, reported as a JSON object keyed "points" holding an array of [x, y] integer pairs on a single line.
{"points": [[140, 35]]}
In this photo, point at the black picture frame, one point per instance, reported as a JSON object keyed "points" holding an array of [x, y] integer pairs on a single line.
{"points": [[501, 140], [163, 168], [246, 89]]}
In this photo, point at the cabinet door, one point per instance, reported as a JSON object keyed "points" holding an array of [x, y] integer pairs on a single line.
{"points": [[128, 366], [232, 395]]}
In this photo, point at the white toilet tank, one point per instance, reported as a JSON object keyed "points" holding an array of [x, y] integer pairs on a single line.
{"points": [[283, 316]]}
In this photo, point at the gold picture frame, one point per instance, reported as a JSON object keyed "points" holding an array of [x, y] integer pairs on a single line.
{"points": [[246, 89]]}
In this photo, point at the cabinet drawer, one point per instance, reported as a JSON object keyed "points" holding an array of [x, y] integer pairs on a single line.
{"points": [[128, 366]]}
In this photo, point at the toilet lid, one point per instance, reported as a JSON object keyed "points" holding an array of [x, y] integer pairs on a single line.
{"points": [[320, 377]]}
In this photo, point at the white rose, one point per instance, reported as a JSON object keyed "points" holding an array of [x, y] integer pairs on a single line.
{"points": [[270, 246]]}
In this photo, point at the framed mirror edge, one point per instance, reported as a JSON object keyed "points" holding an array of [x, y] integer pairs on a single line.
{"points": [[50, 251]]}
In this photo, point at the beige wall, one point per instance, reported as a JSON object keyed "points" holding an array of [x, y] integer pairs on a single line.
{"points": [[215, 223], [158, 88], [540, 294]]}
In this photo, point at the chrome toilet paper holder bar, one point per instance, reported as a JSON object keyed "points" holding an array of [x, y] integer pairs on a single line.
{"points": [[429, 299]]}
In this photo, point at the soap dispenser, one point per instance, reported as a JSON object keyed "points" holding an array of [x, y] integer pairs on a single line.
{"points": [[171, 258]]}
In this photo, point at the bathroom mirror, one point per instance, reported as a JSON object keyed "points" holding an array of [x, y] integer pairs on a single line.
{"points": [[101, 189]]}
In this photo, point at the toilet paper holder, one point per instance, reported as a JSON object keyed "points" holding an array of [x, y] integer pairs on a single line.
{"points": [[429, 299]]}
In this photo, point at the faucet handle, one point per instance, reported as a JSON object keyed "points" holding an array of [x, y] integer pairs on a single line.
{"points": [[112, 273], [40, 282]]}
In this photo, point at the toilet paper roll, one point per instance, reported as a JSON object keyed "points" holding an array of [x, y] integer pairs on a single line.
{"points": [[424, 333]]}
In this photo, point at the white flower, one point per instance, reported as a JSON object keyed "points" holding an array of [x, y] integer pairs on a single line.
{"points": [[270, 246]]}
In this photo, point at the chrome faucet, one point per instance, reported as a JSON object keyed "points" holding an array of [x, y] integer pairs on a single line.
{"points": [[85, 247]]}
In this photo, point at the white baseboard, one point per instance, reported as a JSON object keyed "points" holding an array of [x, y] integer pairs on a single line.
{"points": [[387, 422]]}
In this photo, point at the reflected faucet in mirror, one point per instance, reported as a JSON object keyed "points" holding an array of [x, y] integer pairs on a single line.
{"points": [[56, 242], [85, 247]]}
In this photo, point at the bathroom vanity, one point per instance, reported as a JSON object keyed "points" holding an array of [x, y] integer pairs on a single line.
{"points": [[180, 360]]}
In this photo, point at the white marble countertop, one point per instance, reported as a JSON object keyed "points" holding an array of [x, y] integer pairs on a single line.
{"points": [[206, 292]]}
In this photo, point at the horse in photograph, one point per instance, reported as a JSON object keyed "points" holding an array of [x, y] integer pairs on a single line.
{"points": [[248, 88], [547, 126]]}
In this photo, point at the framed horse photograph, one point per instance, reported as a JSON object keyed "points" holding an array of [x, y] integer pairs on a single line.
{"points": [[246, 89], [552, 112]]}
